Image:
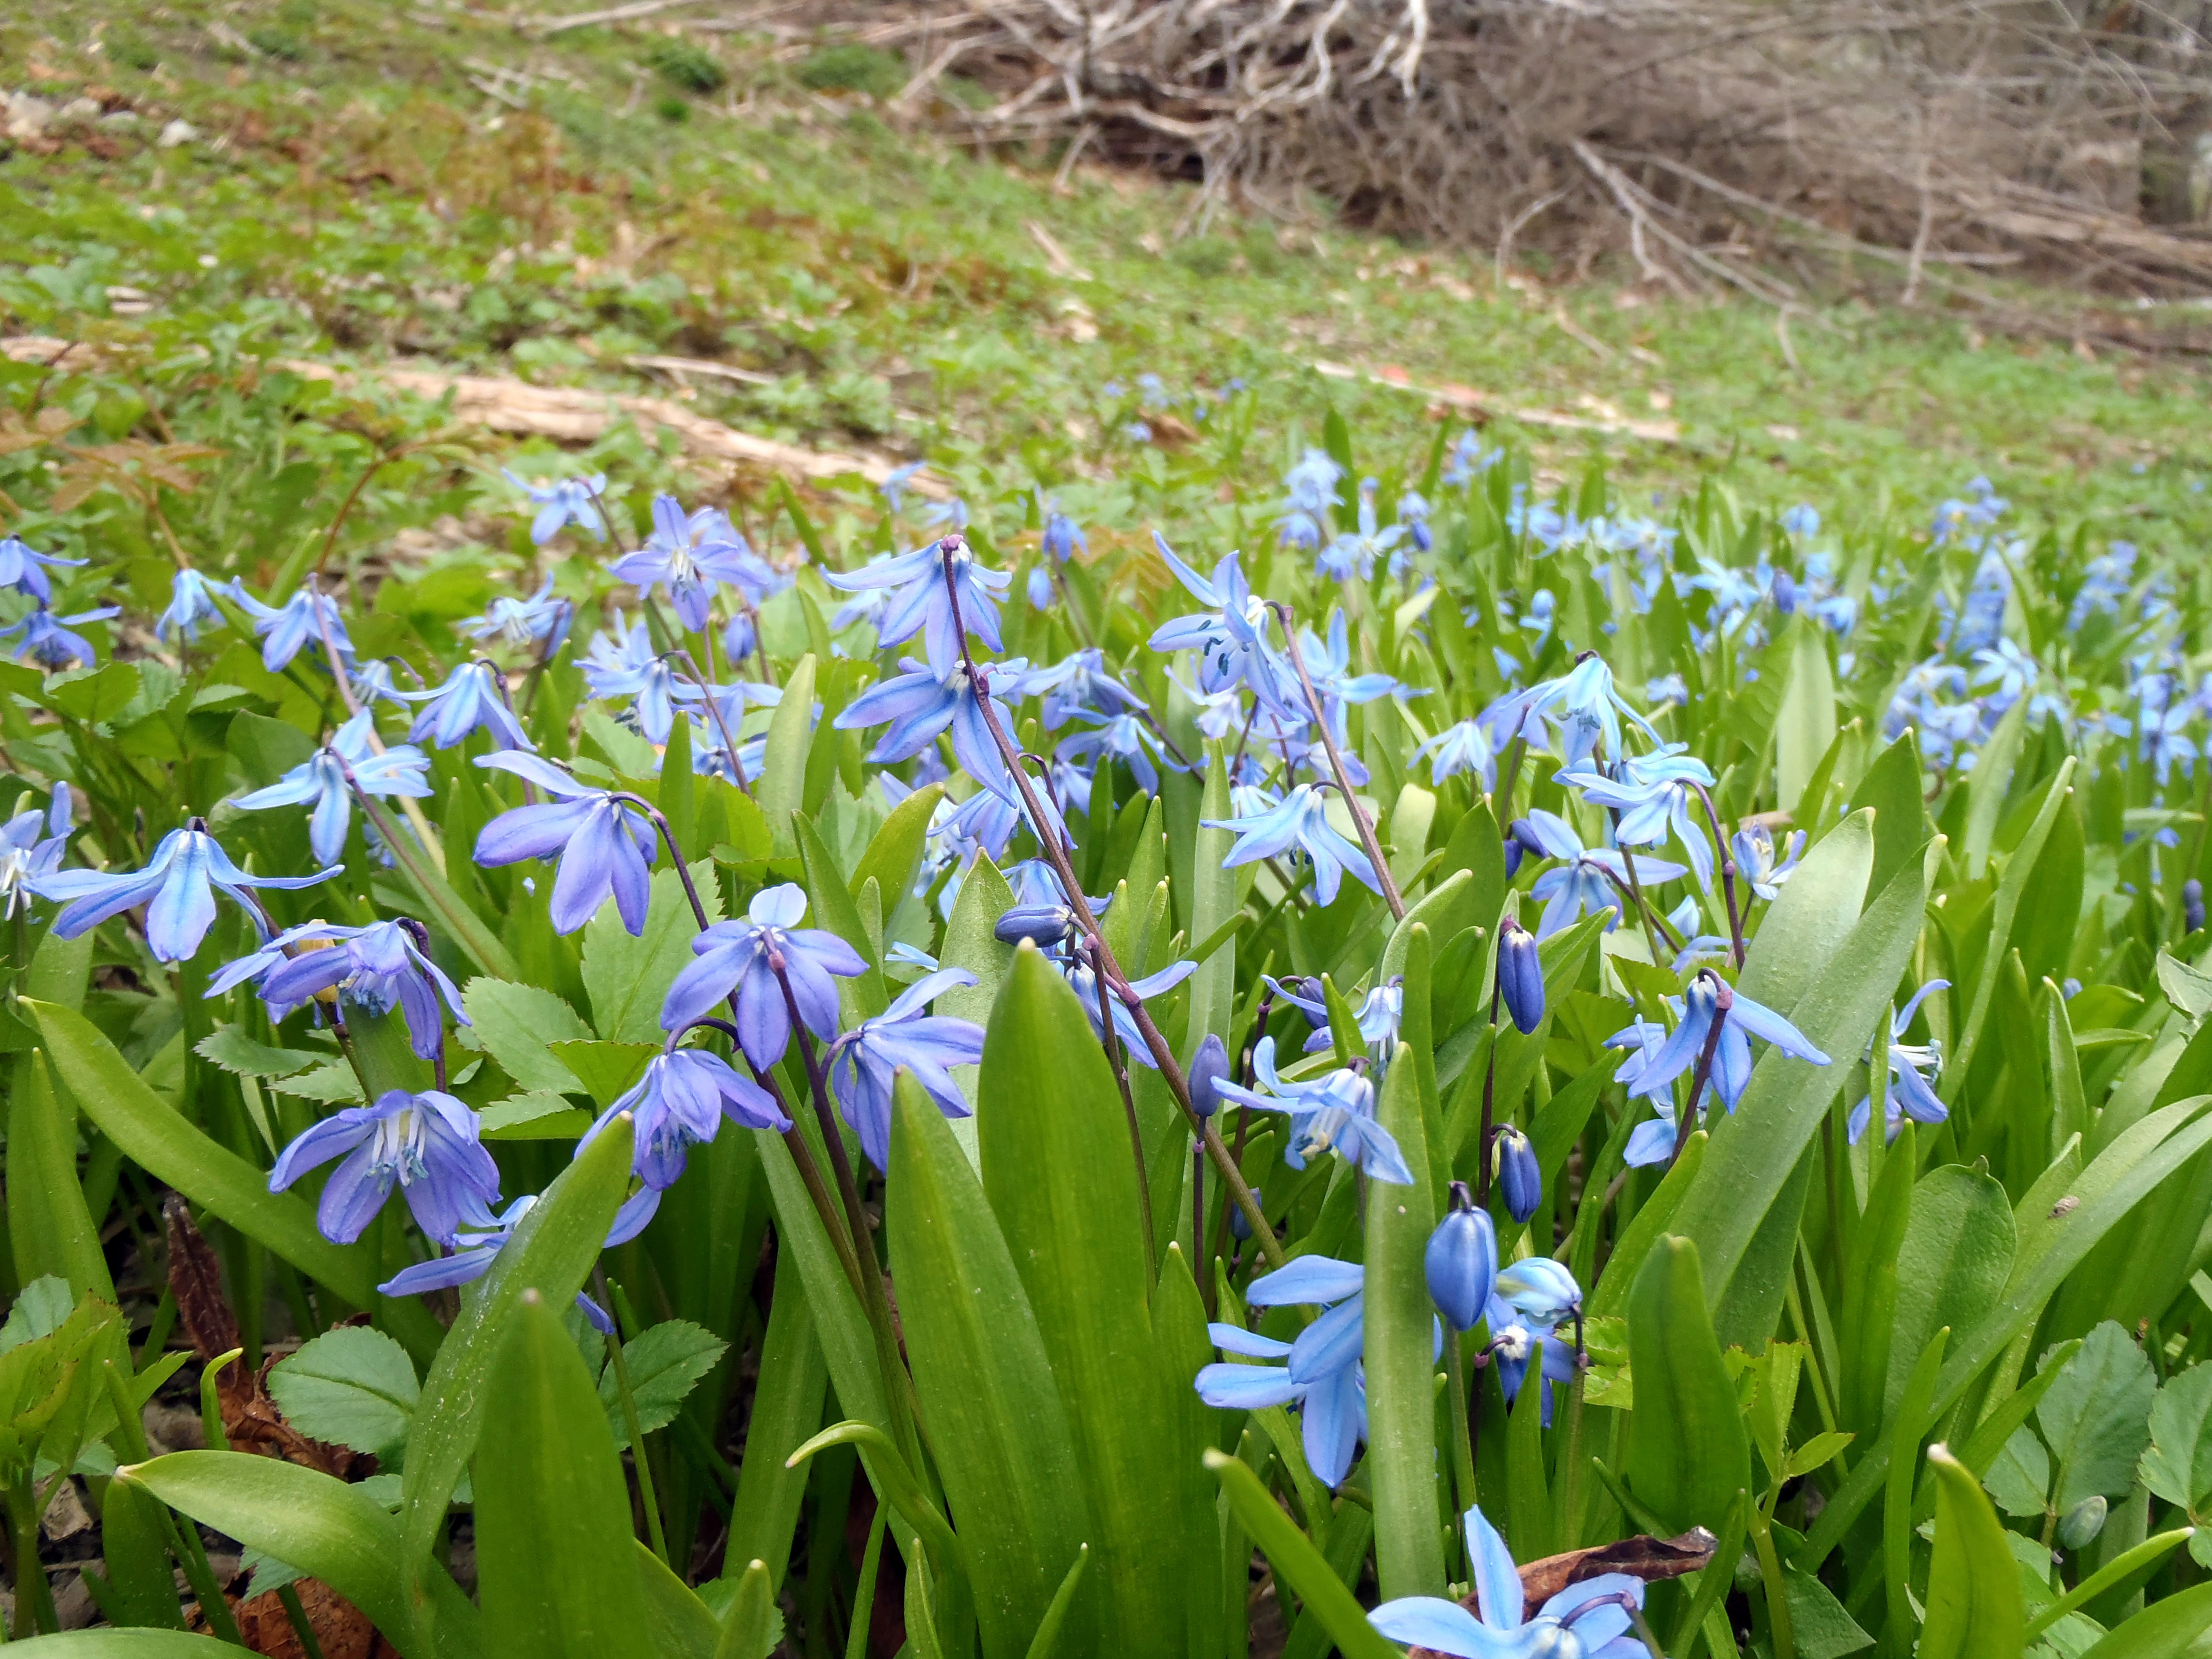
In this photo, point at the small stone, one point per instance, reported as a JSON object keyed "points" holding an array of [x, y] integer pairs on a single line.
{"points": [[179, 131]]}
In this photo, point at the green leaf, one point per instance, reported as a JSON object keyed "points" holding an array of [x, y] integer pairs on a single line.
{"points": [[2095, 1416], [41, 1307], [554, 1553], [677, 1618], [1974, 1602], [1297, 1562], [1401, 1354], [2012, 889], [2122, 1573], [628, 978], [1985, 788], [1818, 1623], [108, 1089], [109, 1643], [1806, 723], [328, 1083], [534, 1116], [228, 1047], [970, 944], [1955, 1257], [2178, 1466], [606, 1070], [140, 1581], [753, 1625], [1059, 1174], [894, 856], [2019, 1476], [985, 1382], [1212, 905], [665, 1364], [352, 1387], [99, 694], [51, 1230], [780, 789], [786, 1407], [1892, 786], [1911, 1422], [1811, 916], [551, 1251], [322, 1526], [518, 1024], [1687, 1457]]}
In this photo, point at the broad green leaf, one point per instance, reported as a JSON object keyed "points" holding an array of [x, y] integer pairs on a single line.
{"points": [[1985, 788], [2019, 1477], [352, 1387], [232, 1049], [1046, 1642], [134, 1541], [1954, 1259], [970, 944], [1892, 786], [1687, 1458], [534, 1116], [551, 1251], [1060, 1176], [786, 1409], [555, 1553], [1806, 723], [2179, 1626], [1652, 1222], [1811, 916], [681, 1624], [666, 1362], [322, 1526], [1911, 1421], [981, 1369], [47, 1222], [1974, 1602], [833, 908], [753, 1624], [1401, 1354], [110, 1643], [1297, 1562], [1214, 901], [780, 789], [2177, 1466], [517, 1024], [99, 693], [2012, 889], [628, 978], [848, 1347], [111, 1093], [894, 855], [1819, 1625], [2095, 1416]]}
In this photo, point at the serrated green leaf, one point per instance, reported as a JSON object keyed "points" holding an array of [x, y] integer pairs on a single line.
{"points": [[533, 1116], [228, 1047], [329, 1083], [352, 1387], [2019, 1477], [665, 1364], [518, 1024], [2178, 1466], [2094, 1417]]}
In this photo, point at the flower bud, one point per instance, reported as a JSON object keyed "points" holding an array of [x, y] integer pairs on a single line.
{"points": [[1208, 1067], [1239, 1228], [1540, 1290], [1518, 1176], [1310, 990], [2192, 905], [1514, 849], [1521, 976], [1462, 1261], [2083, 1523], [1785, 592], [1043, 925]]}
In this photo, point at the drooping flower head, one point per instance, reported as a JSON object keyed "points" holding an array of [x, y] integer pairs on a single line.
{"points": [[564, 502], [192, 607], [31, 847], [321, 780], [473, 697], [424, 1144], [283, 629], [47, 639], [1332, 1113], [1299, 824], [681, 1101], [904, 1036], [518, 623], [749, 959], [25, 570], [685, 555], [177, 886], [372, 969], [1589, 1620], [603, 845], [921, 602], [1322, 1373]]}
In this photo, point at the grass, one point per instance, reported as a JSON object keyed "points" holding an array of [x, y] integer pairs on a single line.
{"points": [[370, 180]]}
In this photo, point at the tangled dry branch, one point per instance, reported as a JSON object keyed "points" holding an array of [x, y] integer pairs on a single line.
{"points": [[1717, 140]]}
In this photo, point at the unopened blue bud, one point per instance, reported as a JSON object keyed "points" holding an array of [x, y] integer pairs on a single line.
{"points": [[1461, 1260], [1513, 850], [1312, 991], [1785, 592], [1208, 1068], [1518, 1176], [1239, 1228], [1041, 924], [1521, 976], [2192, 905]]}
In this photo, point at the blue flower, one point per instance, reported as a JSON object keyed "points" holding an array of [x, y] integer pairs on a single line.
{"points": [[480, 1244], [1577, 714], [1332, 1113], [1586, 879], [1079, 685], [1802, 520], [1708, 999], [47, 639], [1461, 748], [1322, 1373], [284, 628], [686, 554], [192, 607], [625, 664], [566, 501], [28, 856], [519, 622], [1039, 588], [904, 1036], [895, 482], [1652, 794], [1589, 1620], [1299, 823], [1230, 636], [321, 778], [372, 683], [177, 888], [1309, 491], [1911, 1066], [1461, 1261], [921, 702], [680, 1103], [425, 1143], [920, 603], [603, 845], [1124, 737], [740, 959], [1520, 977], [1467, 460], [1515, 1338], [1085, 983], [1755, 861], [1062, 535], [1354, 551], [25, 570], [371, 968], [1376, 1019], [472, 697]]}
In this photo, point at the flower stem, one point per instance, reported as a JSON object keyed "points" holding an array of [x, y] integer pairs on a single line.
{"points": [[407, 803], [1689, 1118], [1728, 873], [1367, 839], [1463, 1441], [631, 1421], [1112, 1041]]}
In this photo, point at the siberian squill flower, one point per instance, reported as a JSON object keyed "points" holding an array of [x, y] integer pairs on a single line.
{"points": [[47, 639], [1577, 714], [1585, 880], [301, 618], [904, 1036], [1229, 636], [603, 845], [686, 554], [1062, 536], [480, 1243], [1653, 794], [1464, 747], [1322, 1372], [1310, 487], [1125, 738], [1588, 1620], [1078, 685], [564, 502], [27, 856], [1461, 1261], [1332, 1113], [472, 697], [623, 664], [1377, 1017], [921, 604], [741, 959], [921, 702], [519, 622], [1706, 1000], [1084, 981], [373, 682], [192, 607], [1354, 551], [1912, 1065], [177, 888], [1300, 824], [1755, 860], [425, 1143], [680, 1103], [321, 779], [372, 969], [25, 570]]}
